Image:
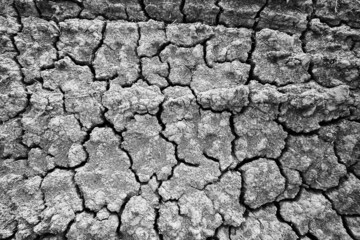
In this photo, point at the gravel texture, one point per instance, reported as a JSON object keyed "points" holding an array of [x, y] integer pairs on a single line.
{"points": [[180, 119]]}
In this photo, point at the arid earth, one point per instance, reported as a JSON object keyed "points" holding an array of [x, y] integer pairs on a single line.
{"points": [[180, 119]]}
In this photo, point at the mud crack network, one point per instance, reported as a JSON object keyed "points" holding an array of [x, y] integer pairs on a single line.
{"points": [[180, 119]]}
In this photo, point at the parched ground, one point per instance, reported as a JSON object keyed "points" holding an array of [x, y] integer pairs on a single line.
{"points": [[180, 119]]}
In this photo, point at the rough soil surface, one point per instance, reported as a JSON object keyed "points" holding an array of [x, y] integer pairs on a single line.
{"points": [[180, 119]]}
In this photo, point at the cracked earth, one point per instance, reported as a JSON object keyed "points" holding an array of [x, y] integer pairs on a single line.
{"points": [[180, 119]]}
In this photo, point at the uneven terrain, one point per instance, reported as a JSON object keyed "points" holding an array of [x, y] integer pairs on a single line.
{"points": [[180, 119]]}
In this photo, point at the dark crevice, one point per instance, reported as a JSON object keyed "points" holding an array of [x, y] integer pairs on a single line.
{"points": [[96, 49], [68, 229], [12, 37], [334, 121], [204, 45], [122, 208], [192, 45], [50, 235], [246, 161], [175, 145], [303, 40], [38, 9], [63, 99], [141, 76], [181, 8], [80, 193], [343, 222], [339, 23], [281, 169], [81, 6], [242, 196], [294, 133], [131, 161], [48, 67], [281, 219], [107, 123], [338, 158], [212, 238], [126, 14], [160, 49], [211, 158], [13, 235], [307, 29], [311, 236], [83, 64], [156, 223], [55, 42], [218, 15], [218, 228], [143, 8], [348, 230], [235, 135], [249, 59], [20, 113]]}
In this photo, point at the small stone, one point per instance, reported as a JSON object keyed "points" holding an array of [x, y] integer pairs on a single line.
{"points": [[290, 17], [67, 76], [79, 38], [152, 38], [62, 202], [346, 198], [332, 48], [58, 10], [334, 13], [188, 34], [207, 136], [315, 160], [221, 87], [228, 44], [258, 135], [118, 56], [21, 203], [151, 154], [76, 155], [88, 227], [45, 125], [106, 178], [309, 104], [225, 196], [188, 178], [240, 13], [279, 59], [114, 10], [179, 104], [193, 217], [13, 96], [347, 144], [313, 213], [263, 224], [36, 46], [182, 62], [266, 98], [124, 103], [263, 182], [354, 226], [138, 219], [166, 11], [10, 140], [155, 71], [201, 11]]}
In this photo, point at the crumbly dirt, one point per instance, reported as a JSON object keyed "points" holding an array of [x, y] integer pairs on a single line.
{"points": [[180, 119]]}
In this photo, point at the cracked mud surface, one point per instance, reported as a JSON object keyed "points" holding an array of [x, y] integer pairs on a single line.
{"points": [[180, 119]]}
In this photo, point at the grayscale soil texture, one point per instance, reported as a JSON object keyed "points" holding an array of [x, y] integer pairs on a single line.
{"points": [[180, 119]]}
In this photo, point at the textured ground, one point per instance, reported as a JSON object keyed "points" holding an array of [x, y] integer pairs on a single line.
{"points": [[180, 119]]}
